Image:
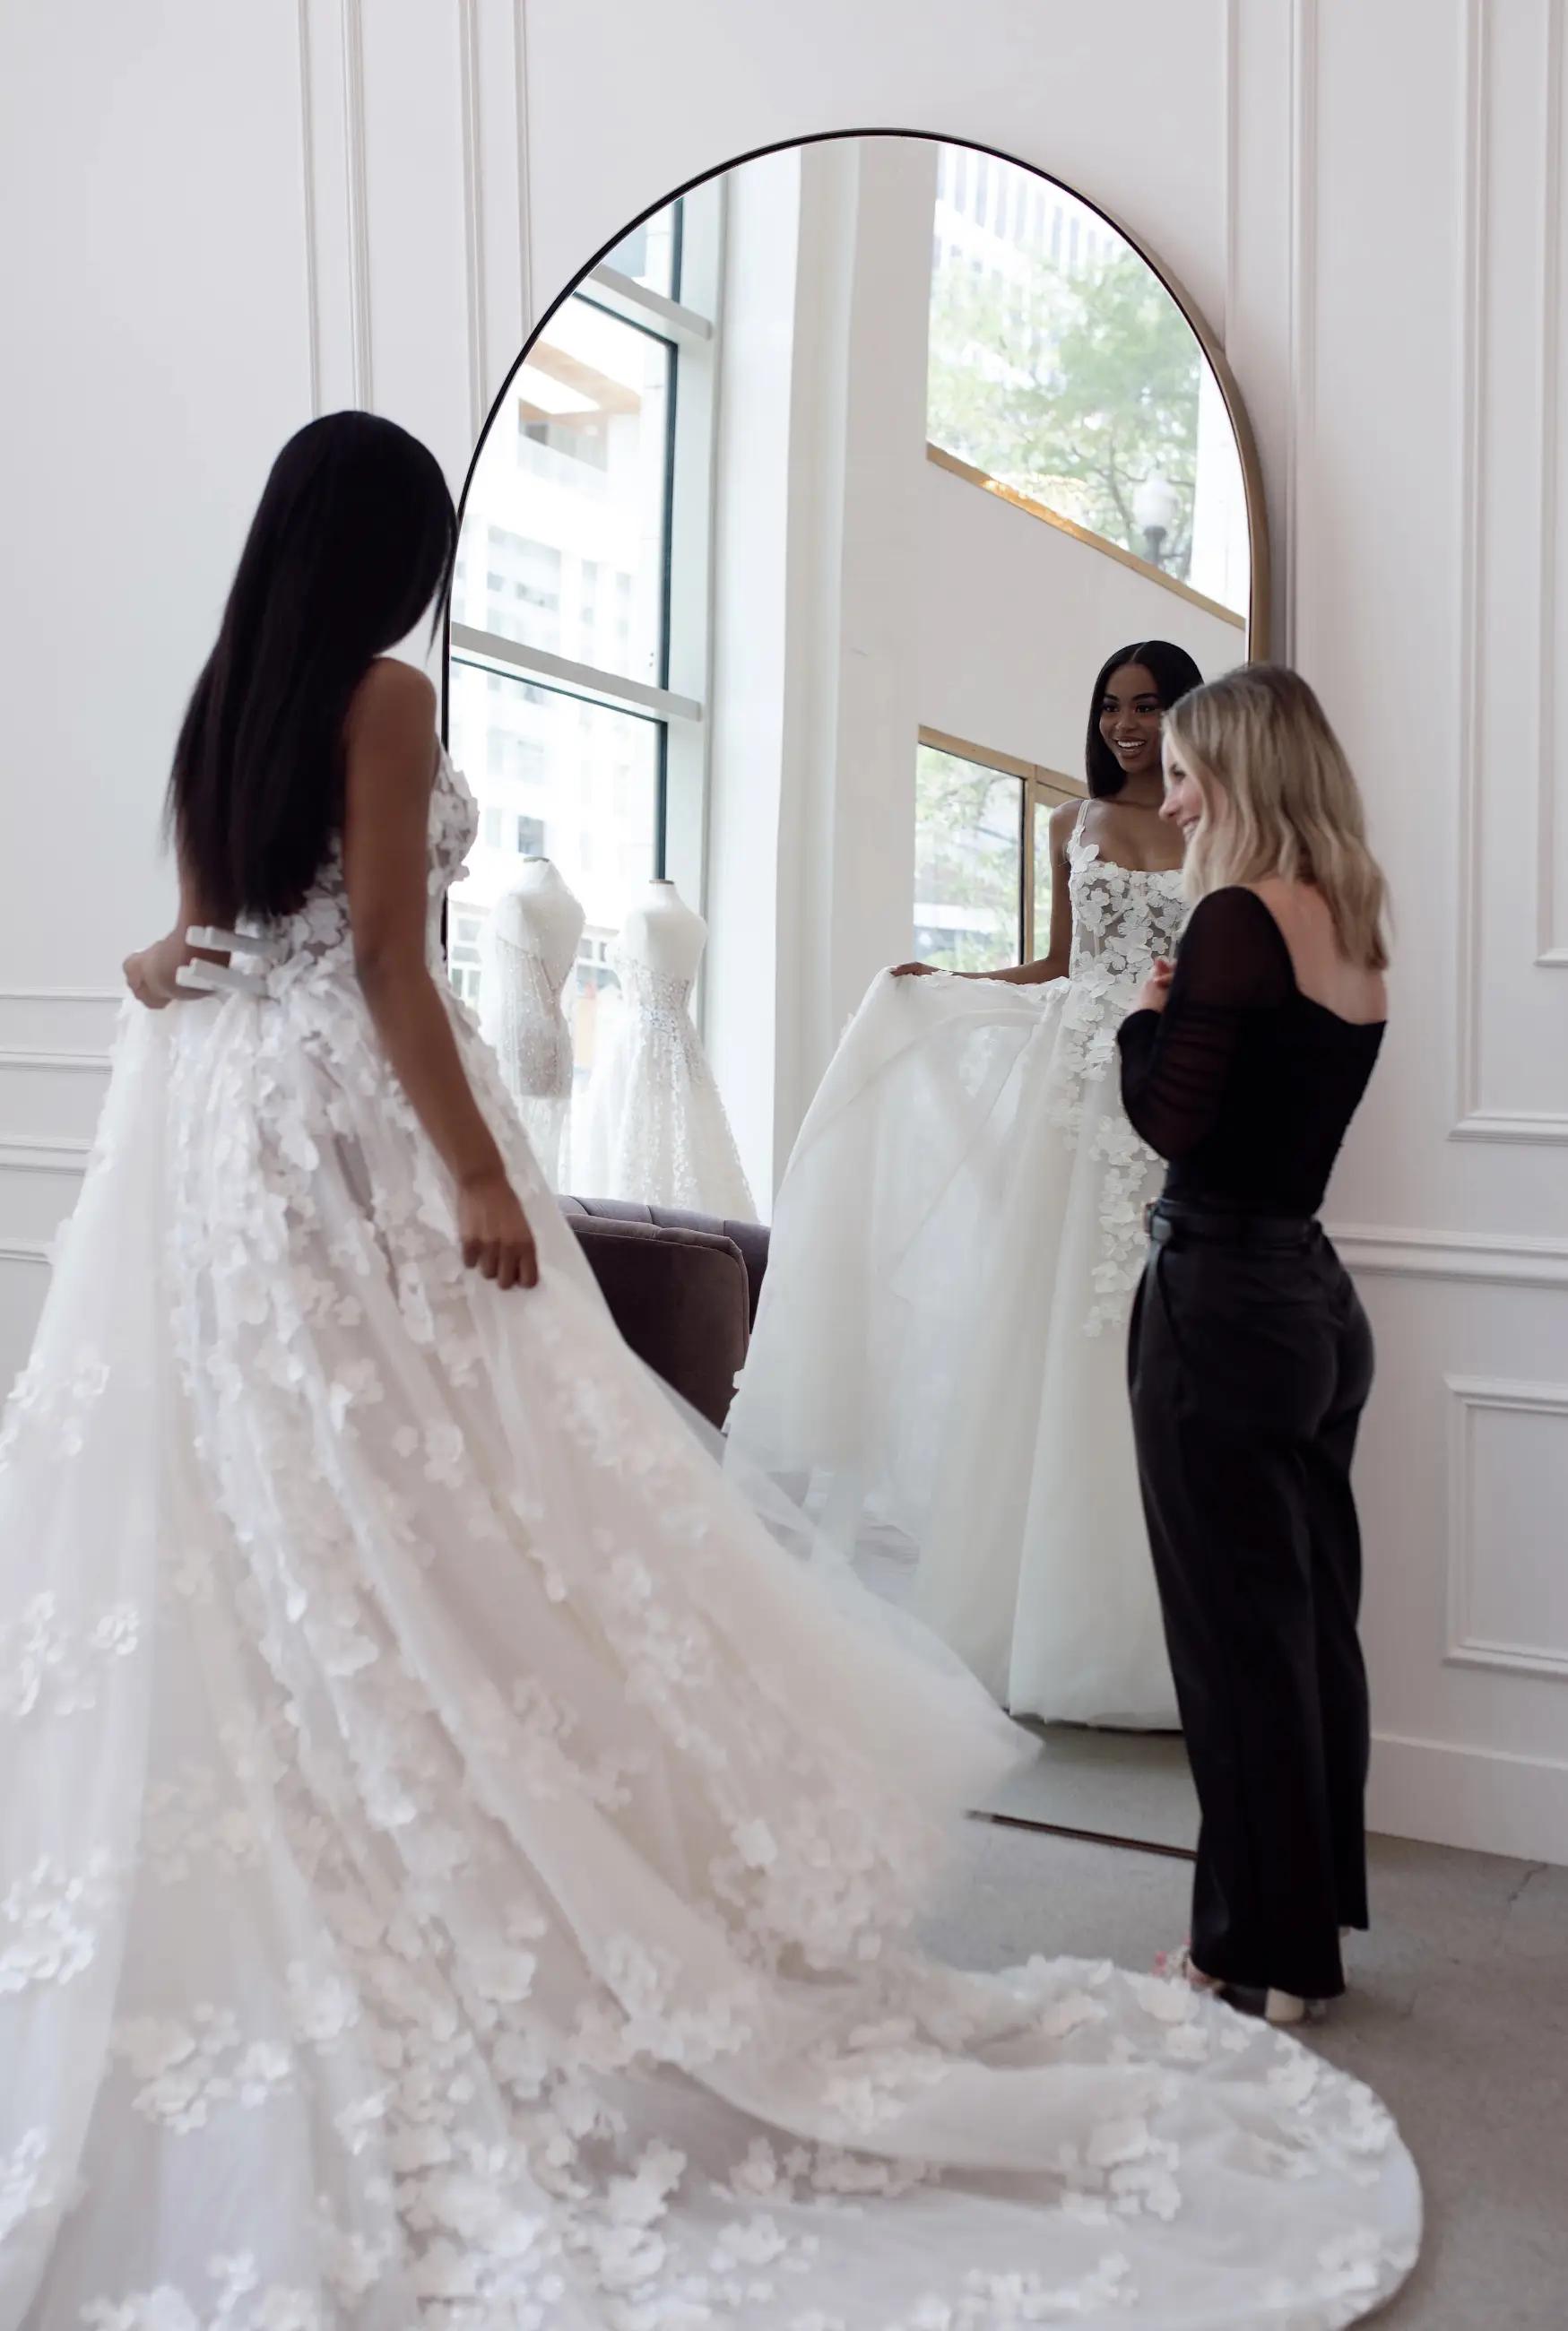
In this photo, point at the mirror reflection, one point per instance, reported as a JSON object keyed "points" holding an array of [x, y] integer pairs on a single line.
{"points": [[827, 566]]}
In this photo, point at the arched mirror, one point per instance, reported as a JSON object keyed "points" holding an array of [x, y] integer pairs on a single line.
{"points": [[791, 553], [915, 380]]}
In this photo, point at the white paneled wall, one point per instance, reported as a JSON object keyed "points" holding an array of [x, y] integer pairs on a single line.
{"points": [[232, 217]]}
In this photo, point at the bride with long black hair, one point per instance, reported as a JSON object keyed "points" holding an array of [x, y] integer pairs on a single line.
{"points": [[455, 1865]]}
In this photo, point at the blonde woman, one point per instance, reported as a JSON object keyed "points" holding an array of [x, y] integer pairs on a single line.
{"points": [[1250, 1355]]}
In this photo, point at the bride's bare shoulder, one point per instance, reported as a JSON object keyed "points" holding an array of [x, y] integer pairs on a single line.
{"points": [[392, 691], [391, 726]]}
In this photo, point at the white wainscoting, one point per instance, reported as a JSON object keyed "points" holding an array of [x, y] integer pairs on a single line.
{"points": [[1507, 1579]]}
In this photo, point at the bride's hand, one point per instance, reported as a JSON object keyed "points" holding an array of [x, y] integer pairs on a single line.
{"points": [[151, 975], [496, 1239], [914, 970]]}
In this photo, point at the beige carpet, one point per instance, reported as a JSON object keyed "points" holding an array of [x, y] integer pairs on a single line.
{"points": [[1458, 2016]]}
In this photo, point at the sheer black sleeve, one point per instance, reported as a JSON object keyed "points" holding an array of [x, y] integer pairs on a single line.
{"points": [[1175, 1064]]}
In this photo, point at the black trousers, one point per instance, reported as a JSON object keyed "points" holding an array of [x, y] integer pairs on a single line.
{"points": [[1250, 1365]]}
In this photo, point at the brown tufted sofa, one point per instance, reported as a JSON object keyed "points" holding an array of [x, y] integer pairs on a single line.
{"points": [[681, 1288]]}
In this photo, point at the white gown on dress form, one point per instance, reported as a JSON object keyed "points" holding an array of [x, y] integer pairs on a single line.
{"points": [[529, 946], [942, 1335], [453, 1865], [652, 1127]]}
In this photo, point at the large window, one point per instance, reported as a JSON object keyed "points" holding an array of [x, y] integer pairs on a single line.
{"points": [[580, 607], [981, 856], [1060, 366]]}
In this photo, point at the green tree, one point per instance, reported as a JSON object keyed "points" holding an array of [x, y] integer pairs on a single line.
{"points": [[968, 844], [1073, 389]]}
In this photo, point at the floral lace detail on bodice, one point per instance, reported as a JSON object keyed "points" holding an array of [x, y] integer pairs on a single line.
{"points": [[317, 937], [1123, 917]]}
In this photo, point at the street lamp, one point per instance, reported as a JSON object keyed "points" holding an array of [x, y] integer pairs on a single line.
{"points": [[1156, 506]]}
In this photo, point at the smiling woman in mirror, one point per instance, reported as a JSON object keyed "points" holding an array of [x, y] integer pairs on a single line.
{"points": [[1121, 818], [974, 1121]]}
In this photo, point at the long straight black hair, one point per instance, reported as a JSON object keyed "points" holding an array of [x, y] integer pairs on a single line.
{"points": [[1172, 671], [354, 539]]}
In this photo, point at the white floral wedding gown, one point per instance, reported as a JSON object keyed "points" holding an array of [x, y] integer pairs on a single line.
{"points": [[453, 1863], [942, 1336], [651, 1128]]}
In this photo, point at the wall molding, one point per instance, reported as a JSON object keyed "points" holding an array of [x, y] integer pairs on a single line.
{"points": [[29, 1154], [1550, 947], [354, 143], [1230, 98], [331, 61], [1475, 219], [63, 996], [1470, 1397], [1511, 1124], [475, 254], [492, 80], [1482, 1256], [1303, 388], [28, 1056], [308, 171], [525, 154], [1473, 1121], [30, 1250], [1482, 1800]]}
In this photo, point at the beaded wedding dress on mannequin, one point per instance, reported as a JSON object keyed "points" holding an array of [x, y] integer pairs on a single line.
{"points": [[530, 947], [653, 1127], [454, 1862], [942, 1336]]}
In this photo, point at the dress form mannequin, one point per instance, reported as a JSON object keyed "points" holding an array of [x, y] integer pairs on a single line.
{"points": [[530, 946], [664, 935], [653, 1128]]}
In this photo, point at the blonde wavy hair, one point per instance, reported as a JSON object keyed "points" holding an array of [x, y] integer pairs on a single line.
{"points": [[1280, 799]]}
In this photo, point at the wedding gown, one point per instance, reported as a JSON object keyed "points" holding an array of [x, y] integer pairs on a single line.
{"points": [[528, 950], [941, 1343], [653, 1127], [453, 1863]]}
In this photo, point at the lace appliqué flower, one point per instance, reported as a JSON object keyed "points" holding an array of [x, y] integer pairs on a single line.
{"points": [[1122, 919]]}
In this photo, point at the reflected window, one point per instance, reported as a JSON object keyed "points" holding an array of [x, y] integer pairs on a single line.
{"points": [[1061, 366], [579, 634], [575, 479], [983, 874], [578, 784], [651, 254], [968, 863]]}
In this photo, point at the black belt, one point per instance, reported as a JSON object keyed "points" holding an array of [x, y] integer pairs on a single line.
{"points": [[1171, 1222]]}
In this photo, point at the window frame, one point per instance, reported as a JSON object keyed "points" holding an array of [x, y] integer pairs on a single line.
{"points": [[1043, 789], [690, 326]]}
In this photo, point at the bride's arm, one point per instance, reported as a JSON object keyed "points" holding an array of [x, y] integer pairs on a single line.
{"points": [[1053, 963], [390, 747], [152, 976]]}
